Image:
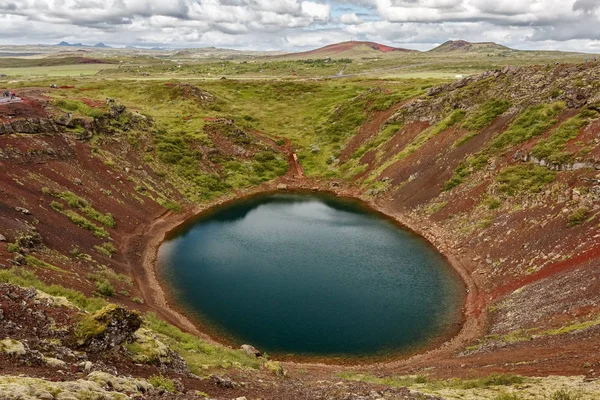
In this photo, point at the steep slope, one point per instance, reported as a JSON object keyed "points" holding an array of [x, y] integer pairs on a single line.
{"points": [[462, 46], [501, 171], [498, 171]]}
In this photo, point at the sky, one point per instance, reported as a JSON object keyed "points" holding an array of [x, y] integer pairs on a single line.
{"points": [[296, 25]]}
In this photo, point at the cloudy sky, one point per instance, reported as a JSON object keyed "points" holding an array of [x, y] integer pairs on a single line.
{"points": [[294, 25]]}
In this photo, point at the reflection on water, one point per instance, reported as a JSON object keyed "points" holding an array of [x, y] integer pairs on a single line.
{"points": [[311, 275]]}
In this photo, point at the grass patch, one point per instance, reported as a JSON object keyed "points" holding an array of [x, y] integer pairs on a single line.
{"points": [[578, 216], [84, 206], [531, 123], [454, 118], [36, 262], [565, 395], [465, 168], [162, 382], [169, 204], [198, 354], [77, 106], [481, 119], [551, 149], [107, 249], [386, 134], [494, 380], [485, 115], [84, 223], [21, 277], [524, 178]]}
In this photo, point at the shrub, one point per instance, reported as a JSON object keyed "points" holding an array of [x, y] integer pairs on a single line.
{"points": [[578, 216], [105, 288], [524, 178]]}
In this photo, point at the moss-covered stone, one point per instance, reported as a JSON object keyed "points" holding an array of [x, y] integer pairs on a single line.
{"points": [[147, 349], [107, 327], [12, 347]]}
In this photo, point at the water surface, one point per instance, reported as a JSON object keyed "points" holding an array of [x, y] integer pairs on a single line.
{"points": [[311, 275]]}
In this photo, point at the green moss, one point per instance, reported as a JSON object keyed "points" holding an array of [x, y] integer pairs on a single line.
{"points": [[89, 327], [146, 349], [78, 107]]}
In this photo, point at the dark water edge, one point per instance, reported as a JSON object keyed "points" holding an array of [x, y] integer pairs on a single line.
{"points": [[340, 313]]}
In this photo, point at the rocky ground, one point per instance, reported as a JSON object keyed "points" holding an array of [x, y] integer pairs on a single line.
{"points": [[84, 203]]}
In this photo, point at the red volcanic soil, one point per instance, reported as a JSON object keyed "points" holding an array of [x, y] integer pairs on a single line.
{"points": [[346, 46]]}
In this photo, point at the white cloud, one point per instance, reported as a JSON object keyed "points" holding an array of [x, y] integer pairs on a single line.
{"points": [[350, 19], [300, 24]]}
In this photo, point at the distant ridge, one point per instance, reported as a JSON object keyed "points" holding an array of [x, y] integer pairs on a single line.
{"points": [[349, 49], [70, 45], [462, 46], [102, 45]]}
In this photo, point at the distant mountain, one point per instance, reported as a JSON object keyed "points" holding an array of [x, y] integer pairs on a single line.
{"points": [[102, 45], [462, 46], [70, 45], [350, 50]]}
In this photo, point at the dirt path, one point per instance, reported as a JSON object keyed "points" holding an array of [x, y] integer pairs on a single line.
{"points": [[295, 170]]}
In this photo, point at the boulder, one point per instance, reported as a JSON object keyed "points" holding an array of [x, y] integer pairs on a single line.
{"points": [[23, 210], [108, 327], [2, 238], [282, 186], [251, 350]]}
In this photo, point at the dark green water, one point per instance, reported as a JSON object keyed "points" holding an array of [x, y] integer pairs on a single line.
{"points": [[312, 275]]}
